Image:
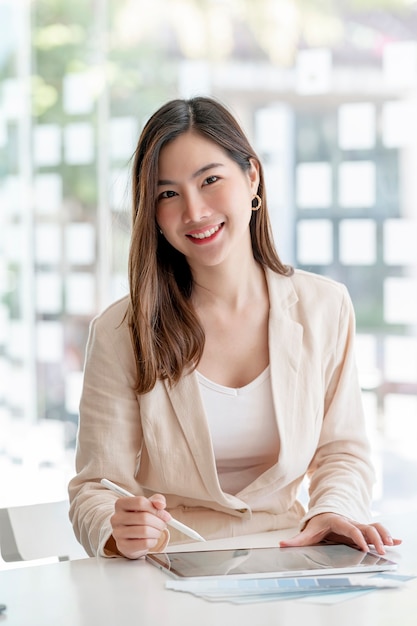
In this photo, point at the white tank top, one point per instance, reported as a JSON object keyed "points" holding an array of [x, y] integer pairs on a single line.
{"points": [[243, 429]]}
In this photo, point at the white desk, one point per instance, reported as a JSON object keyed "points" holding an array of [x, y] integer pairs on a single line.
{"points": [[109, 592]]}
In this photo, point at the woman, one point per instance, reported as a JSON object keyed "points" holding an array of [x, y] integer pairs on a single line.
{"points": [[225, 377]]}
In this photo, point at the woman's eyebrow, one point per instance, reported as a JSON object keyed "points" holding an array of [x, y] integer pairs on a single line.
{"points": [[200, 171]]}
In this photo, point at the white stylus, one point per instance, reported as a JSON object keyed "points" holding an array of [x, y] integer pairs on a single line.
{"points": [[172, 522]]}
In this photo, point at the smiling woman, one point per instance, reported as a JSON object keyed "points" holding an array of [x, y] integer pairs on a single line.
{"points": [[218, 342]]}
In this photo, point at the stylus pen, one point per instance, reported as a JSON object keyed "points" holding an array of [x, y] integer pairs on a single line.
{"points": [[172, 522]]}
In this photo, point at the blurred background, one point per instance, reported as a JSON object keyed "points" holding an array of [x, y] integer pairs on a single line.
{"points": [[327, 93]]}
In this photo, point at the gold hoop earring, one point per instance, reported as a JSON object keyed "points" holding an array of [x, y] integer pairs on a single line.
{"points": [[256, 203]]}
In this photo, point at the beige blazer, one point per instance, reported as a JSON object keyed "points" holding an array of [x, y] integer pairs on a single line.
{"points": [[160, 441]]}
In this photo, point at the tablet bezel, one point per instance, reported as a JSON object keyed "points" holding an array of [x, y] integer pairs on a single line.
{"points": [[369, 562]]}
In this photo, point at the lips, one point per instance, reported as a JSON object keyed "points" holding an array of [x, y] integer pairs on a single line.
{"points": [[205, 234]]}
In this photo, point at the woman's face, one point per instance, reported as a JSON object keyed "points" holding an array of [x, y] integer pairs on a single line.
{"points": [[204, 199]]}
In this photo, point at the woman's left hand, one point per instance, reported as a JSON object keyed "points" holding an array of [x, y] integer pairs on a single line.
{"points": [[339, 529]]}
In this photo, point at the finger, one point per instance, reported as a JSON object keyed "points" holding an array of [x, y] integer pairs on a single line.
{"points": [[386, 536], [154, 505], [135, 548], [133, 503], [378, 536], [373, 538], [138, 531], [297, 540], [133, 540], [158, 501], [351, 535], [138, 519], [159, 505]]}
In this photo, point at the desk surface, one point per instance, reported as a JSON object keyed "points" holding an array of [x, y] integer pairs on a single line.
{"points": [[117, 591]]}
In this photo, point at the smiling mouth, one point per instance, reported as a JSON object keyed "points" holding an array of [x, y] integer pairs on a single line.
{"points": [[206, 234]]}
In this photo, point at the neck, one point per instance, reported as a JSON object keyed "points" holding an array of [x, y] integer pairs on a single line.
{"points": [[225, 285]]}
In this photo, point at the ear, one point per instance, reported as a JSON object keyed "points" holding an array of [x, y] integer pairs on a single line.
{"points": [[253, 173]]}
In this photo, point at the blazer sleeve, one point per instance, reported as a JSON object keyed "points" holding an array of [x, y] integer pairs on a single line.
{"points": [[341, 475], [109, 435]]}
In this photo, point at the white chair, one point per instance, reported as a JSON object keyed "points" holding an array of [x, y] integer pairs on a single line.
{"points": [[38, 531]]}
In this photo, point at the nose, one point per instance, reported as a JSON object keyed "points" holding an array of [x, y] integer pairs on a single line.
{"points": [[194, 207]]}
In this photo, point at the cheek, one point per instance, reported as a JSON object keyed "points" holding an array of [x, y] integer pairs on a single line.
{"points": [[237, 199], [243, 204], [163, 218], [167, 222]]}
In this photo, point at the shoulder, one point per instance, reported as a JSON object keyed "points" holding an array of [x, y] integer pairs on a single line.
{"points": [[302, 284], [113, 317], [309, 296], [316, 285], [109, 333]]}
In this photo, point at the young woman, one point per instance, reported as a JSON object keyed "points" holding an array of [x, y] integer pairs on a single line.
{"points": [[225, 377]]}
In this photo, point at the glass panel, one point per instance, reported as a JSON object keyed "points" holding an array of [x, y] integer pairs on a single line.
{"points": [[78, 93], [47, 145], [47, 193], [401, 429], [400, 64], [315, 242], [314, 71], [49, 342], [357, 184], [314, 185], [400, 300], [357, 126], [78, 143], [399, 124], [401, 359], [48, 245], [357, 242], [49, 293], [80, 294], [124, 132], [80, 244], [400, 242]]}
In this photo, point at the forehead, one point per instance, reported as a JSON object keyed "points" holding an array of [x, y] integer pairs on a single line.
{"points": [[189, 151]]}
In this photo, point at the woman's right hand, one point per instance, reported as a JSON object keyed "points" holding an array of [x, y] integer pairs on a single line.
{"points": [[138, 523]]}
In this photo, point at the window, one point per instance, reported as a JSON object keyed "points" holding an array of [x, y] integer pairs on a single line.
{"points": [[334, 123]]}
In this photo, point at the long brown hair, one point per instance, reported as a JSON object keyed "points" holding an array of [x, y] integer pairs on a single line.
{"points": [[167, 335]]}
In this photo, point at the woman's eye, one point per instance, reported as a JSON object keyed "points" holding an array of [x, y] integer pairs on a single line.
{"points": [[166, 194], [210, 180]]}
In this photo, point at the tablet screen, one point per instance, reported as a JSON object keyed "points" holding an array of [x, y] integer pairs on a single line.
{"points": [[271, 562]]}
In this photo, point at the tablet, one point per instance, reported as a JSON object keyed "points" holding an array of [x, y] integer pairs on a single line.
{"points": [[272, 562]]}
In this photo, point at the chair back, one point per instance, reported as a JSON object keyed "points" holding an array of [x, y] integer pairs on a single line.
{"points": [[38, 531]]}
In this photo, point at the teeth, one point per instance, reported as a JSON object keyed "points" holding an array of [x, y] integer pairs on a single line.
{"points": [[207, 233]]}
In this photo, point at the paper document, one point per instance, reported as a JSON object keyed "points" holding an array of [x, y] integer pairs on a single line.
{"points": [[262, 589]]}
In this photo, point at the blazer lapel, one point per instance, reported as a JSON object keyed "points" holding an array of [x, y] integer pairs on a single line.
{"points": [[187, 404], [285, 350]]}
